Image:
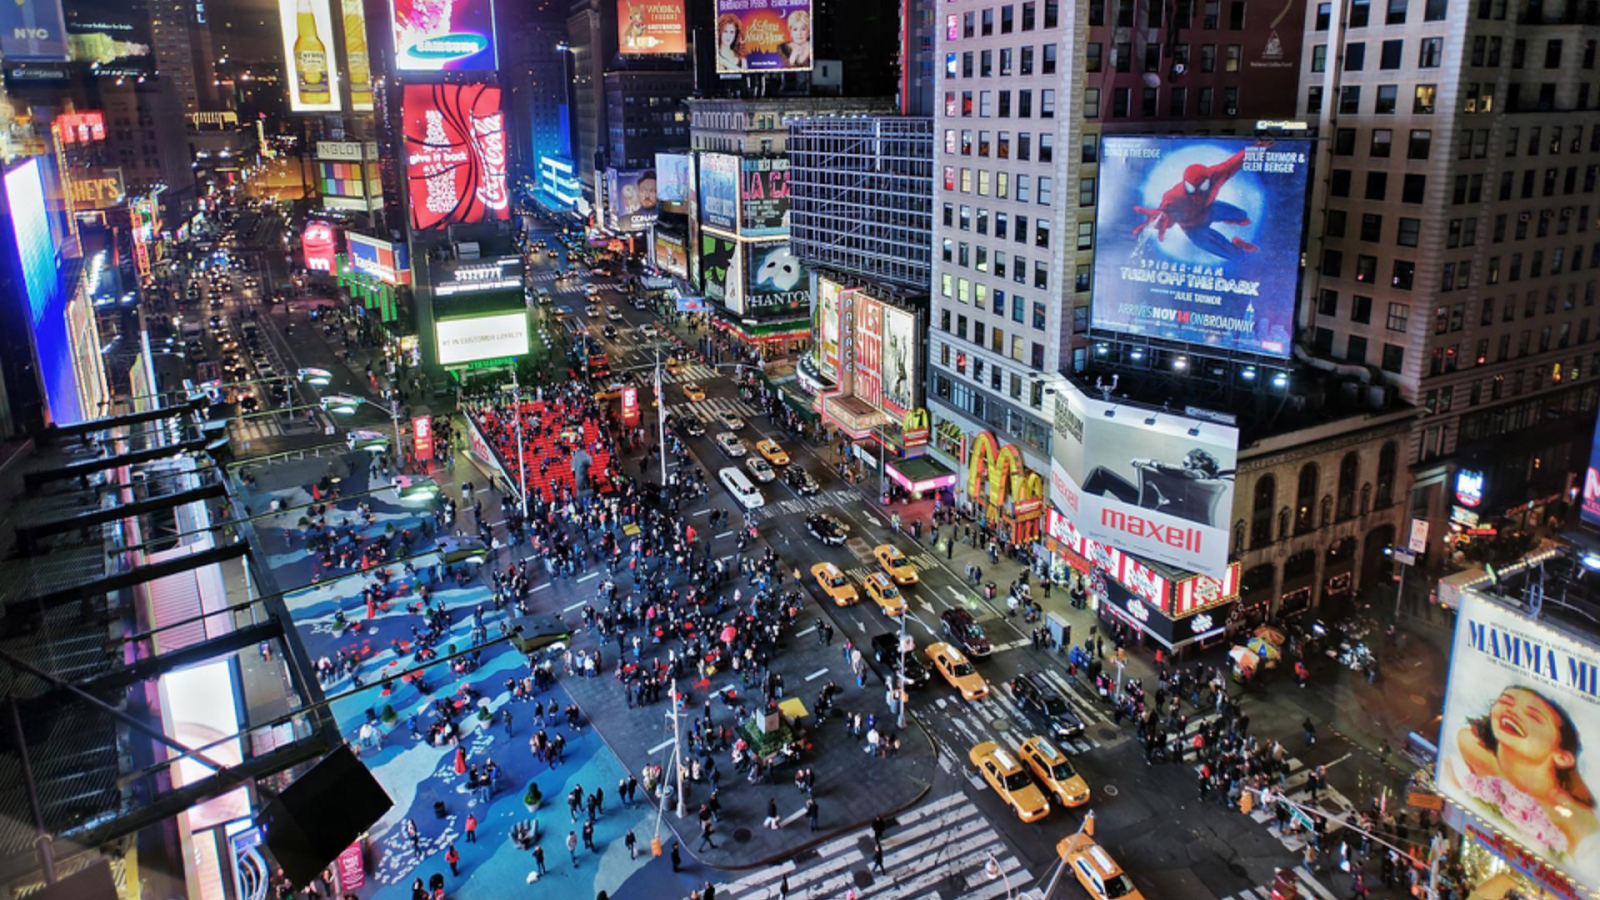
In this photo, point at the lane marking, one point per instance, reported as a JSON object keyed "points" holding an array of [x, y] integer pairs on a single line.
{"points": [[589, 577], [573, 606], [817, 674], [661, 746]]}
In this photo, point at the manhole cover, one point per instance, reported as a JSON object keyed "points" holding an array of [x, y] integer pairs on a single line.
{"points": [[862, 877], [1000, 724], [742, 835], [1110, 790], [1238, 870], [1107, 733]]}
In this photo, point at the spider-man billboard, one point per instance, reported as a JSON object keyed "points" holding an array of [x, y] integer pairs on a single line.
{"points": [[1199, 240]]}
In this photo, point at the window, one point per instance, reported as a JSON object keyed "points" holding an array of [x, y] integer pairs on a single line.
{"points": [[1335, 226], [1430, 53], [1177, 102], [1405, 273], [1355, 57], [1091, 104], [1389, 54], [1339, 183], [1205, 103], [1366, 268], [1396, 14], [1552, 53], [1047, 147], [1361, 310], [1121, 102], [1357, 350], [1026, 61], [1377, 185], [1421, 144], [1425, 96], [1371, 227], [1085, 235], [1435, 10], [1381, 140], [1319, 58], [1328, 302], [1208, 57], [1413, 188], [1235, 54], [1394, 358], [1399, 316], [1047, 103], [1350, 100], [1360, 13], [1047, 65], [1086, 189], [1410, 229], [1332, 262], [1006, 19], [1324, 16], [1092, 57]]}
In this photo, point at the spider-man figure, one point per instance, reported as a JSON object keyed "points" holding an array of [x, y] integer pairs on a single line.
{"points": [[1192, 205]]}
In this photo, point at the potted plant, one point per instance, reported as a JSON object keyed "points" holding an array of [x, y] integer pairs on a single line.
{"points": [[389, 715], [533, 797]]}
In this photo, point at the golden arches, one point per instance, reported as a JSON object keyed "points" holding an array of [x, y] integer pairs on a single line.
{"points": [[1007, 474]]}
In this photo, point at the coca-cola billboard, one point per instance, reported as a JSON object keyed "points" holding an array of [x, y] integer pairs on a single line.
{"points": [[455, 149]]}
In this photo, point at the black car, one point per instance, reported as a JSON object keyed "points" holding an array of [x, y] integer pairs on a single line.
{"points": [[965, 632], [803, 483], [1041, 700], [689, 426], [886, 650], [827, 529], [609, 332]]}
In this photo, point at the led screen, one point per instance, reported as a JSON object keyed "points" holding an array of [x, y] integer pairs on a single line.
{"points": [[1199, 240], [777, 278], [436, 35], [112, 37], [763, 36], [455, 148], [482, 337], [309, 66], [632, 201], [33, 31], [379, 259], [672, 174], [30, 222], [650, 26]]}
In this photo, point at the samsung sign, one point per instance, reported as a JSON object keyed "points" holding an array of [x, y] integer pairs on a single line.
{"points": [[478, 276]]}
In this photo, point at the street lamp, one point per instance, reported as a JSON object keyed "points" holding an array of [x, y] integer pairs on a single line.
{"points": [[347, 404], [991, 868]]}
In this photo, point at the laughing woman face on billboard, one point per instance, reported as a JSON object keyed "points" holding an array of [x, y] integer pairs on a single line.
{"points": [[1521, 760]]}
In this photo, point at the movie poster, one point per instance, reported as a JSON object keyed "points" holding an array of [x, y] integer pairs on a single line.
{"points": [[1521, 726], [826, 328], [899, 360], [717, 268], [650, 26], [455, 155], [1199, 240], [763, 36]]}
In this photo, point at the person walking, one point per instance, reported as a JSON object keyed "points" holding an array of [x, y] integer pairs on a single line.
{"points": [[453, 858], [706, 830], [677, 858], [771, 821], [632, 844], [588, 836], [877, 858], [811, 812], [538, 860], [472, 828], [572, 847]]}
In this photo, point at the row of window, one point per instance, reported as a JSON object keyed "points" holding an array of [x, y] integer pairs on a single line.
{"points": [[1499, 387], [999, 144], [1150, 102], [1430, 55], [1026, 430], [1122, 57], [962, 65], [1308, 489], [961, 105], [975, 22], [1359, 12], [984, 181], [1123, 13], [1386, 99]]}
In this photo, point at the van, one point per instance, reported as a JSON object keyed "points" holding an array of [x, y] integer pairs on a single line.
{"points": [[748, 495]]}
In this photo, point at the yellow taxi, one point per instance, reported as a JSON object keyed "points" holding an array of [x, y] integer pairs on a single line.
{"points": [[1096, 870], [674, 365], [885, 594], [895, 563], [957, 670], [1010, 781], [1054, 771], [773, 452], [694, 393], [834, 583]]}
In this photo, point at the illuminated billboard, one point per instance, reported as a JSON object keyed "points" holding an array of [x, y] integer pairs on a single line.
{"points": [[672, 177], [719, 268], [764, 196], [349, 185], [763, 36], [719, 190], [1154, 484], [1520, 711], [30, 224], [455, 155], [777, 278], [482, 337], [33, 31], [444, 35], [1591, 483], [899, 366], [467, 277], [320, 244], [111, 37], [651, 26], [825, 327], [81, 127], [864, 341], [671, 255], [310, 69], [631, 199], [357, 61], [98, 188], [380, 260], [1199, 240]]}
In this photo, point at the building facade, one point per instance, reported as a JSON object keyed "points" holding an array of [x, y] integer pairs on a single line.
{"points": [[646, 113]]}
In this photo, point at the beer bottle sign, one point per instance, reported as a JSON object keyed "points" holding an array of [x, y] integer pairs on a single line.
{"points": [[356, 58], [311, 67]]}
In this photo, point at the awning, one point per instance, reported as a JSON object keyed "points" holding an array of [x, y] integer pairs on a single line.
{"points": [[921, 473]]}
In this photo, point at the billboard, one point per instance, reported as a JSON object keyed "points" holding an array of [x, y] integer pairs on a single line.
{"points": [[764, 196], [464, 278], [1591, 483], [899, 360], [379, 260], [763, 36], [864, 340], [1199, 240], [455, 155], [357, 61], [444, 35], [672, 177], [1157, 485], [777, 278], [630, 406], [111, 37], [33, 31], [719, 190], [1521, 707], [481, 337], [671, 255], [349, 185], [718, 269], [651, 26], [30, 224], [98, 189], [81, 127], [632, 201], [320, 243], [825, 327], [309, 66]]}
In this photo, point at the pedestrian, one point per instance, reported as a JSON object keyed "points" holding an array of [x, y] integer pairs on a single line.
{"points": [[472, 828], [677, 859], [877, 858], [572, 847], [771, 820], [706, 829], [632, 844], [538, 860], [811, 812], [588, 836], [452, 857]]}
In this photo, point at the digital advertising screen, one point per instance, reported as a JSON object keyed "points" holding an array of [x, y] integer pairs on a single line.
{"points": [[763, 36], [719, 190], [444, 35], [1199, 240], [864, 337], [764, 196], [671, 255], [651, 26], [777, 278], [33, 31], [357, 59], [111, 37], [467, 277], [825, 327], [1157, 485], [1518, 739], [719, 269], [1591, 483], [482, 337], [899, 360], [455, 155], [320, 244], [632, 199], [349, 185], [30, 224], [81, 127], [310, 69], [672, 177], [379, 259]]}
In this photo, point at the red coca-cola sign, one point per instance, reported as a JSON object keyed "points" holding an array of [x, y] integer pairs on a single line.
{"points": [[455, 155]]}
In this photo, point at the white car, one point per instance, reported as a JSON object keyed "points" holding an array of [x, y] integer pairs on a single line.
{"points": [[649, 331], [591, 310], [748, 495], [731, 444], [612, 314], [730, 421], [760, 469]]}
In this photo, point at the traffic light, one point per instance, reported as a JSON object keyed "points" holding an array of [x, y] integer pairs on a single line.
{"points": [[1284, 886], [1247, 802]]}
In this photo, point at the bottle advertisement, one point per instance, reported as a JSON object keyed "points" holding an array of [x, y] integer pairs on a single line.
{"points": [[355, 56], [313, 75]]}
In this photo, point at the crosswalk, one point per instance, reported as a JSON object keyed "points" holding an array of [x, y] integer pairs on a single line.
{"points": [[934, 852], [997, 716], [1330, 801], [708, 409], [255, 429], [1310, 887], [690, 372]]}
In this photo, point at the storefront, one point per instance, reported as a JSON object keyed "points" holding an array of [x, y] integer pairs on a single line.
{"points": [[1498, 868], [921, 476], [1004, 493], [1119, 604], [774, 339]]}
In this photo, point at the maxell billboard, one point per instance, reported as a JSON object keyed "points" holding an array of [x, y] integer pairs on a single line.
{"points": [[1153, 484]]}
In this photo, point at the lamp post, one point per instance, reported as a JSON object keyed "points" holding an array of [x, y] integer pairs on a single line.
{"points": [[516, 410], [991, 867], [346, 404], [900, 689]]}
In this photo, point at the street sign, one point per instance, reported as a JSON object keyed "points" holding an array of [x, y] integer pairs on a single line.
{"points": [[1405, 557], [1419, 536]]}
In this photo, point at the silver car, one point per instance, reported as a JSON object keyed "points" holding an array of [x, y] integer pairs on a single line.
{"points": [[731, 444], [730, 421], [760, 469]]}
